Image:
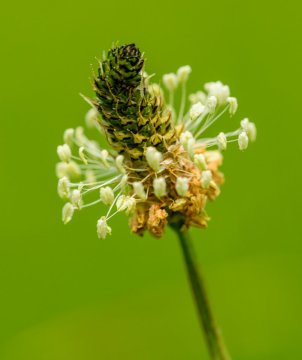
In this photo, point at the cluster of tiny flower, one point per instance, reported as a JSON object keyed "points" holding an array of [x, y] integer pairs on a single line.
{"points": [[206, 108], [85, 168]]}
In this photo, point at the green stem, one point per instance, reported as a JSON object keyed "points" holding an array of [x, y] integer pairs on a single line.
{"points": [[212, 333]]}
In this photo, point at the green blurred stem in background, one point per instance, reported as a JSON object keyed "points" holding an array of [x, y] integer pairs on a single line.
{"points": [[215, 343]]}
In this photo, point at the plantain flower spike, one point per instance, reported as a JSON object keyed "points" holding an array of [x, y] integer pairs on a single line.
{"points": [[160, 167]]}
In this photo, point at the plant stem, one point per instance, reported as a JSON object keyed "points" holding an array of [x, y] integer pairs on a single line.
{"points": [[212, 333]]}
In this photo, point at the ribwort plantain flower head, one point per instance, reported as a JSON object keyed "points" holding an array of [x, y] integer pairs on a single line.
{"points": [[160, 167]]}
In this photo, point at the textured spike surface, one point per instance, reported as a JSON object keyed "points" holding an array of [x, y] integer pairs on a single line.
{"points": [[132, 117]]}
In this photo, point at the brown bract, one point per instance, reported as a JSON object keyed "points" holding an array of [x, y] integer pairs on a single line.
{"points": [[154, 214]]}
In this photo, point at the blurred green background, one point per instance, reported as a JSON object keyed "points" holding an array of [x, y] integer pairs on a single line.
{"points": [[67, 295]]}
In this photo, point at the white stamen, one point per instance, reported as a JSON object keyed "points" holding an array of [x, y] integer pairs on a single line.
{"points": [[200, 161], [91, 118], [119, 163], [67, 212], [249, 128], [233, 105], [243, 140], [170, 81], [90, 177], [107, 195], [206, 178], [211, 103], [68, 136], [244, 124], [102, 228], [153, 158], [222, 141], [155, 90], [185, 137], [125, 203], [63, 188], [182, 186], [104, 158], [199, 96], [73, 169], [160, 187], [82, 155], [221, 91], [61, 169], [252, 131], [139, 190], [76, 198], [183, 73], [196, 110], [79, 135], [64, 153]]}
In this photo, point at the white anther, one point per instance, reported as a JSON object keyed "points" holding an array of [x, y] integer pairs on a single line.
{"points": [[82, 155], [222, 141], [160, 187], [196, 110], [107, 195], [183, 73], [63, 188], [182, 186], [170, 81], [67, 212], [76, 198], [91, 117], [243, 140], [139, 190], [154, 158], [232, 101], [64, 153], [102, 228], [221, 91], [68, 136], [206, 178], [200, 161]]}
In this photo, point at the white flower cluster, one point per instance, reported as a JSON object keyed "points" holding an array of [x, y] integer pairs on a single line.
{"points": [[85, 169], [206, 108]]}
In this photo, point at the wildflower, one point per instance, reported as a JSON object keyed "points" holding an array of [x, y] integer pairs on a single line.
{"points": [[161, 166]]}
